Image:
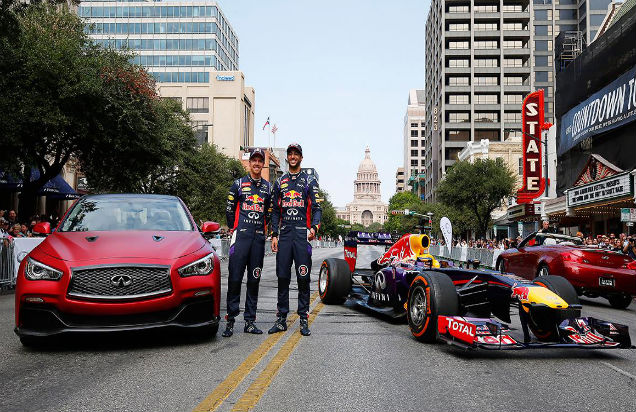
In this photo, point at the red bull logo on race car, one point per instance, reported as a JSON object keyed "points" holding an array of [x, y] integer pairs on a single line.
{"points": [[292, 195], [520, 292]]}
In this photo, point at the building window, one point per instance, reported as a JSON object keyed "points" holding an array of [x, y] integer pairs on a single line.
{"points": [[458, 45], [414, 162], [422, 124], [452, 153], [513, 62], [413, 124], [513, 80], [423, 153], [486, 80], [514, 26], [513, 98], [541, 77], [458, 27], [486, 99], [486, 8], [458, 136], [513, 8], [492, 135], [458, 63], [481, 62], [486, 26], [458, 117], [513, 44], [458, 9], [198, 104], [413, 143], [521, 166], [485, 44], [543, 45], [488, 117], [413, 153], [458, 99], [177, 100], [458, 81], [543, 61], [200, 131], [512, 117], [414, 133]]}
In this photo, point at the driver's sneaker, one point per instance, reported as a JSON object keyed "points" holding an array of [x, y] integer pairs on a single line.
{"points": [[229, 329], [250, 327], [279, 326], [304, 327]]}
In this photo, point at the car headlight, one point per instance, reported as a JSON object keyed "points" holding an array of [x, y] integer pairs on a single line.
{"points": [[201, 267], [35, 270]]}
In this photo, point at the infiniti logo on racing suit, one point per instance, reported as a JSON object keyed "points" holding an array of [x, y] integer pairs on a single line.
{"points": [[292, 212], [253, 215]]}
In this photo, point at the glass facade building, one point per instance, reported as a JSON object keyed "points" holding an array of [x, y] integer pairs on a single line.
{"points": [[177, 41]]}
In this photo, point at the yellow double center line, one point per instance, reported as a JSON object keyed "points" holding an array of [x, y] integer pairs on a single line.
{"points": [[260, 385]]}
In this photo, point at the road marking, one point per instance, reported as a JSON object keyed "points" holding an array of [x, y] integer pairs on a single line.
{"points": [[619, 370], [234, 379], [258, 388]]}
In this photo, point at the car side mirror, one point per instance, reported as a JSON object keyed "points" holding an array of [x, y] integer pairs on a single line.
{"points": [[210, 229], [42, 228]]}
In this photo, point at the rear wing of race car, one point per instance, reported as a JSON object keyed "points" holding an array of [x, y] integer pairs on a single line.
{"points": [[353, 239]]}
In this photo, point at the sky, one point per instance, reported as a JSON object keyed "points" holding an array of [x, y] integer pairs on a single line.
{"points": [[333, 76]]}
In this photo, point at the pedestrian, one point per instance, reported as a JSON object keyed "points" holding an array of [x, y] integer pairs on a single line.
{"points": [[545, 227], [12, 217], [296, 217], [16, 231], [248, 209], [630, 249]]}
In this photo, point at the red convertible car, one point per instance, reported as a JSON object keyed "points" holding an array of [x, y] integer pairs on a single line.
{"points": [[593, 272], [118, 263]]}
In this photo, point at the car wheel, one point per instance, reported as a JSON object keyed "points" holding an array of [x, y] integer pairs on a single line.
{"points": [[334, 281], [544, 270], [542, 321], [431, 294], [501, 266], [619, 301]]}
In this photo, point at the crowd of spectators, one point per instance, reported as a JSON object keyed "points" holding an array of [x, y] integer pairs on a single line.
{"points": [[11, 226]]}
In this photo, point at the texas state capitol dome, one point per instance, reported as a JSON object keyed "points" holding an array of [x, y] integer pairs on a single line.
{"points": [[367, 206]]}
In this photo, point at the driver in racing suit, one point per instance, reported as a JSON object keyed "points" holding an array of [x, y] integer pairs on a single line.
{"points": [[248, 208], [295, 220]]}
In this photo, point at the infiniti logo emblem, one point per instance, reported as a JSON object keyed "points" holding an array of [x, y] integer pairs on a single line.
{"points": [[291, 212], [253, 215], [121, 281]]}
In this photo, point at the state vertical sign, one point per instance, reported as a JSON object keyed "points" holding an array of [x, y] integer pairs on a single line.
{"points": [[532, 117]]}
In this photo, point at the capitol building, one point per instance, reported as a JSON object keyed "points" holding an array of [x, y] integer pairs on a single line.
{"points": [[367, 206]]}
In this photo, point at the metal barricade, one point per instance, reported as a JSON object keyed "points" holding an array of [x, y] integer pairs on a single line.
{"points": [[7, 269]]}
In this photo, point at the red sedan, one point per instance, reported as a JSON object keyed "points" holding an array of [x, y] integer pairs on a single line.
{"points": [[117, 263], [593, 272]]}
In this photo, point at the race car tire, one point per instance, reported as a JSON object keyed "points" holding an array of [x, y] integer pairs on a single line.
{"points": [[334, 281], [431, 294], [545, 327], [619, 301]]}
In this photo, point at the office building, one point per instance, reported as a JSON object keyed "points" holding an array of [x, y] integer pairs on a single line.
{"points": [[193, 53], [414, 144]]}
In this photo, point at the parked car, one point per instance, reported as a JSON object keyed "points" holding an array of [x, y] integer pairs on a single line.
{"points": [[592, 271], [118, 263]]}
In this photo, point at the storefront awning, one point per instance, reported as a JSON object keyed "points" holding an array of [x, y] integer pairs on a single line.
{"points": [[56, 188]]}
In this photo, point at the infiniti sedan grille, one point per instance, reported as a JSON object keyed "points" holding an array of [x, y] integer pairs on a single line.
{"points": [[120, 282]]}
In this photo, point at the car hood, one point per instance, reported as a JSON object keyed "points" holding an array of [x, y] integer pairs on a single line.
{"points": [[83, 246]]}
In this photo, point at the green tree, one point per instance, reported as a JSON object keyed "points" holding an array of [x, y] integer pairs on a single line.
{"points": [[400, 223], [478, 188], [204, 181], [329, 222]]}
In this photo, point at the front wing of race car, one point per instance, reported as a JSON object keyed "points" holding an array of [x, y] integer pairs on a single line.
{"points": [[486, 333]]}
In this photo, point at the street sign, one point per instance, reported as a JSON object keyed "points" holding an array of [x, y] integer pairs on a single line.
{"points": [[628, 215], [630, 224], [406, 211]]}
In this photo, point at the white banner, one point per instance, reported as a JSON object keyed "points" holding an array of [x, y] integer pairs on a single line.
{"points": [[447, 230], [21, 247]]}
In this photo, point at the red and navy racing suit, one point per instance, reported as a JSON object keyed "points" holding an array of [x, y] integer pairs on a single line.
{"points": [[295, 209], [248, 209]]}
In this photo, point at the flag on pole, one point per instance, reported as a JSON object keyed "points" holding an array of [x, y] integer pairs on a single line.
{"points": [[274, 129], [266, 123]]}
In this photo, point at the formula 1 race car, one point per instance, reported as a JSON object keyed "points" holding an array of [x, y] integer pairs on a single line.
{"points": [[465, 307]]}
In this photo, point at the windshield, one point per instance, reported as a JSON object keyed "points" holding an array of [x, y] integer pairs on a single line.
{"points": [[110, 214]]}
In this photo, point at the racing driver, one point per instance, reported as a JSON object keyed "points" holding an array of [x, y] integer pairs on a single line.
{"points": [[248, 208], [295, 220]]}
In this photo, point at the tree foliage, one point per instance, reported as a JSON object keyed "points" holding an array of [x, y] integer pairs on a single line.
{"points": [[477, 188]]}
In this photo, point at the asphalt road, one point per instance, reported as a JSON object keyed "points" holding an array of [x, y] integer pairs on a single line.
{"points": [[351, 362]]}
